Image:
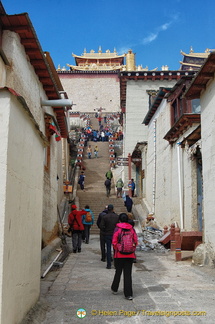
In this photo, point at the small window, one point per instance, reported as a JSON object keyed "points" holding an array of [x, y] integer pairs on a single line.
{"points": [[196, 107]]}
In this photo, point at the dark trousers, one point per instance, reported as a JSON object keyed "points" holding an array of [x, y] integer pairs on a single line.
{"points": [[87, 232], [102, 246], [76, 240], [129, 208], [82, 185], [108, 191], [108, 241], [119, 192], [125, 265]]}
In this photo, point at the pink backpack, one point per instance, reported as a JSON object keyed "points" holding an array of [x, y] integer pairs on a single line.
{"points": [[126, 243]]}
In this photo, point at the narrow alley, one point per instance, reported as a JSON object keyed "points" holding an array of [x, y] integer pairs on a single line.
{"points": [[148, 116], [165, 291]]}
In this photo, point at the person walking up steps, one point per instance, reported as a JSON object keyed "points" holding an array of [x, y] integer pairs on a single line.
{"points": [[128, 203], [108, 186], [124, 244], [132, 187], [109, 174], [88, 221], [107, 226], [89, 152], [81, 180], [77, 227], [102, 236], [119, 186], [96, 151]]}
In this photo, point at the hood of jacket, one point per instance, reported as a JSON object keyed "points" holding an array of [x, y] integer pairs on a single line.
{"points": [[124, 225]]}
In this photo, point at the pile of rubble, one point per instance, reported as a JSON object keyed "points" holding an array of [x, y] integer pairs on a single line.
{"points": [[149, 241]]}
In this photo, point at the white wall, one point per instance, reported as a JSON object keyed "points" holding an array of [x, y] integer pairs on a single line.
{"points": [[89, 92], [137, 105], [162, 194], [2, 73], [21, 220], [26, 203], [19, 75], [208, 158], [4, 121]]}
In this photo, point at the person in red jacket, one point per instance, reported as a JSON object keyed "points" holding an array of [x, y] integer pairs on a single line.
{"points": [[75, 222], [123, 262]]}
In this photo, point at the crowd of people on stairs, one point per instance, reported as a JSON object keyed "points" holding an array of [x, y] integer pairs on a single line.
{"points": [[118, 239], [117, 233]]}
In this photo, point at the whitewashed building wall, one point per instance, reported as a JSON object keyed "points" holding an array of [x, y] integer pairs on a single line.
{"points": [[162, 175], [208, 158], [137, 105], [21, 212], [22, 182], [91, 91]]}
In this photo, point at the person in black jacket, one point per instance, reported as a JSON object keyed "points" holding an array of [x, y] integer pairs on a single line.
{"points": [[102, 236], [128, 203], [108, 186], [107, 225]]}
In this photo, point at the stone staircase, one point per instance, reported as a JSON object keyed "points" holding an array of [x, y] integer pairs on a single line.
{"points": [[97, 203], [95, 191]]}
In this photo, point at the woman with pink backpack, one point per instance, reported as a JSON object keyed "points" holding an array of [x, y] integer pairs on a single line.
{"points": [[124, 243]]}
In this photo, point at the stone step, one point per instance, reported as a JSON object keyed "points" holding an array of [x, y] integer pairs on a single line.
{"points": [[95, 191]]}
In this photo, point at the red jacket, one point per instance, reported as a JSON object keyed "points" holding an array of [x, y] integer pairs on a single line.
{"points": [[115, 240], [75, 219]]}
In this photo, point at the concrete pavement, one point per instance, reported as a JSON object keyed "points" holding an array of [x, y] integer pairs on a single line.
{"points": [[159, 284]]}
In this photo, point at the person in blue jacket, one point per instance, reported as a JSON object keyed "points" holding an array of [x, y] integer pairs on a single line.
{"points": [[88, 221], [132, 187]]}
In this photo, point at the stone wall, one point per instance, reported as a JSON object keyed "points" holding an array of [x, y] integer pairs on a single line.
{"points": [[91, 91]]}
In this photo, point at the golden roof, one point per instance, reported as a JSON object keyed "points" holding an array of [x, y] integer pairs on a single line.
{"points": [[95, 67], [199, 55], [100, 55], [191, 64]]}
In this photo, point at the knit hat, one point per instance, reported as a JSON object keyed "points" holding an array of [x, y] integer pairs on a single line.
{"points": [[73, 206], [110, 207]]}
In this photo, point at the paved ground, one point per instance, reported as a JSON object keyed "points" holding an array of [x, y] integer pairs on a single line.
{"points": [[159, 283]]}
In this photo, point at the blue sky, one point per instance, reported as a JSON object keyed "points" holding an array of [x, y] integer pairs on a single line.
{"points": [[156, 30]]}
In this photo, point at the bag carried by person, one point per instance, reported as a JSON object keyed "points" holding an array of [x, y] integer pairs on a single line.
{"points": [[88, 217], [126, 244], [70, 229]]}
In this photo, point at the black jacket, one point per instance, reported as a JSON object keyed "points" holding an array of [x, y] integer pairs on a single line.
{"points": [[104, 212], [108, 223]]}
